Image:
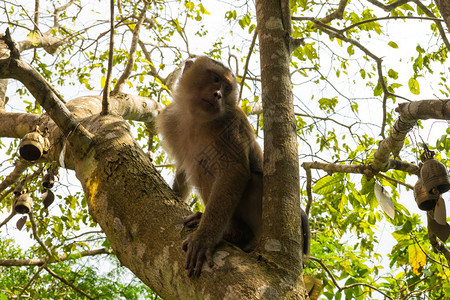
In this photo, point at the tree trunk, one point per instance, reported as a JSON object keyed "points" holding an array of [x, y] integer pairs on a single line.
{"points": [[444, 9], [282, 239]]}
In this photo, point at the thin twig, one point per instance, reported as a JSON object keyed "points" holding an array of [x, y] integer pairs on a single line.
{"points": [[247, 61], [63, 280], [132, 53], [105, 102]]}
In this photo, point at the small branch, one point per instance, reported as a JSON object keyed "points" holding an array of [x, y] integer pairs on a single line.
{"points": [[36, 236], [389, 7], [389, 18], [337, 14], [58, 10], [132, 53], [19, 167], [63, 280], [36, 14], [45, 260], [8, 218], [105, 102], [426, 254], [31, 280], [430, 14], [330, 274], [247, 61]]}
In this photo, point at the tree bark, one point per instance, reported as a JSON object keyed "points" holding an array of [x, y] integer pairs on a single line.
{"points": [[444, 9], [281, 238]]}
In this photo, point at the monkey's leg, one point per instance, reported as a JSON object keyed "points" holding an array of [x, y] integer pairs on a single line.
{"points": [[192, 220], [226, 193], [180, 185]]}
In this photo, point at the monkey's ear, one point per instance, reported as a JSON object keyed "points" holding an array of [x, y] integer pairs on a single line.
{"points": [[188, 64]]}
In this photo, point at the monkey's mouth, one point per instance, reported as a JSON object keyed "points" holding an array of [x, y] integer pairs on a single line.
{"points": [[210, 102]]}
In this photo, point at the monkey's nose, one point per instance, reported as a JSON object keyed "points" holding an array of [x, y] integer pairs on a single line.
{"points": [[218, 95]]}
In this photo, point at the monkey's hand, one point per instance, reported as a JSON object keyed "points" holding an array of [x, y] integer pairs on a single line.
{"points": [[198, 250], [192, 220]]}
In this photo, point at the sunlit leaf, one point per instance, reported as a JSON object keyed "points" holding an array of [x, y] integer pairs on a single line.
{"points": [[34, 38], [413, 85], [326, 185], [416, 258]]}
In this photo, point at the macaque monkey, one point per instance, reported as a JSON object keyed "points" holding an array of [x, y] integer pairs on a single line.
{"points": [[215, 150]]}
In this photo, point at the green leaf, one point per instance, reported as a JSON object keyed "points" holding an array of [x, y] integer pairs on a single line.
{"points": [[413, 85], [393, 44], [326, 185], [392, 74]]}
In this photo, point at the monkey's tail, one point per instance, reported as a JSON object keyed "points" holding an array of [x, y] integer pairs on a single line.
{"points": [[306, 233]]}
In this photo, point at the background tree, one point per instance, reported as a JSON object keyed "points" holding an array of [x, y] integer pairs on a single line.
{"points": [[349, 65]]}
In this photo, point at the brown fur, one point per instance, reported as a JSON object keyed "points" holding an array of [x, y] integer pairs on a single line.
{"points": [[215, 150]]}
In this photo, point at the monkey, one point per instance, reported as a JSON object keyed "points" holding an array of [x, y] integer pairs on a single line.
{"points": [[215, 150]]}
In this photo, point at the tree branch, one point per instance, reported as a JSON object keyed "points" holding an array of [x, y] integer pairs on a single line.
{"points": [[63, 280], [132, 53], [389, 7], [105, 101], [16, 68], [19, 167], [45, 260], [247, 61], [337, 14], [430, 14], [8, 218], [330, 274]]}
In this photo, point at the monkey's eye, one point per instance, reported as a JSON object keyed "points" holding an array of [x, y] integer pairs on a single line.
{"points": [[227, 88], [216, 78]]}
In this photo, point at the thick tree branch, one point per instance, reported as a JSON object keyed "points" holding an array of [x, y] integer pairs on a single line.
{"points": [[281, 238], [362, 169], [16, 68]]}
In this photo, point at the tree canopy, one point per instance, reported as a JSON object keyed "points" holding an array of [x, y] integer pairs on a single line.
{"points": [[346, 97]]}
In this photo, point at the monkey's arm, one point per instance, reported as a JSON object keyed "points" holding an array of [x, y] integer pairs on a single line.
{"points": [[226, 193]]}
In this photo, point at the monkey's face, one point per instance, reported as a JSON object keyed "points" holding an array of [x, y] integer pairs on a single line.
{"points": [[211, 90]]}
